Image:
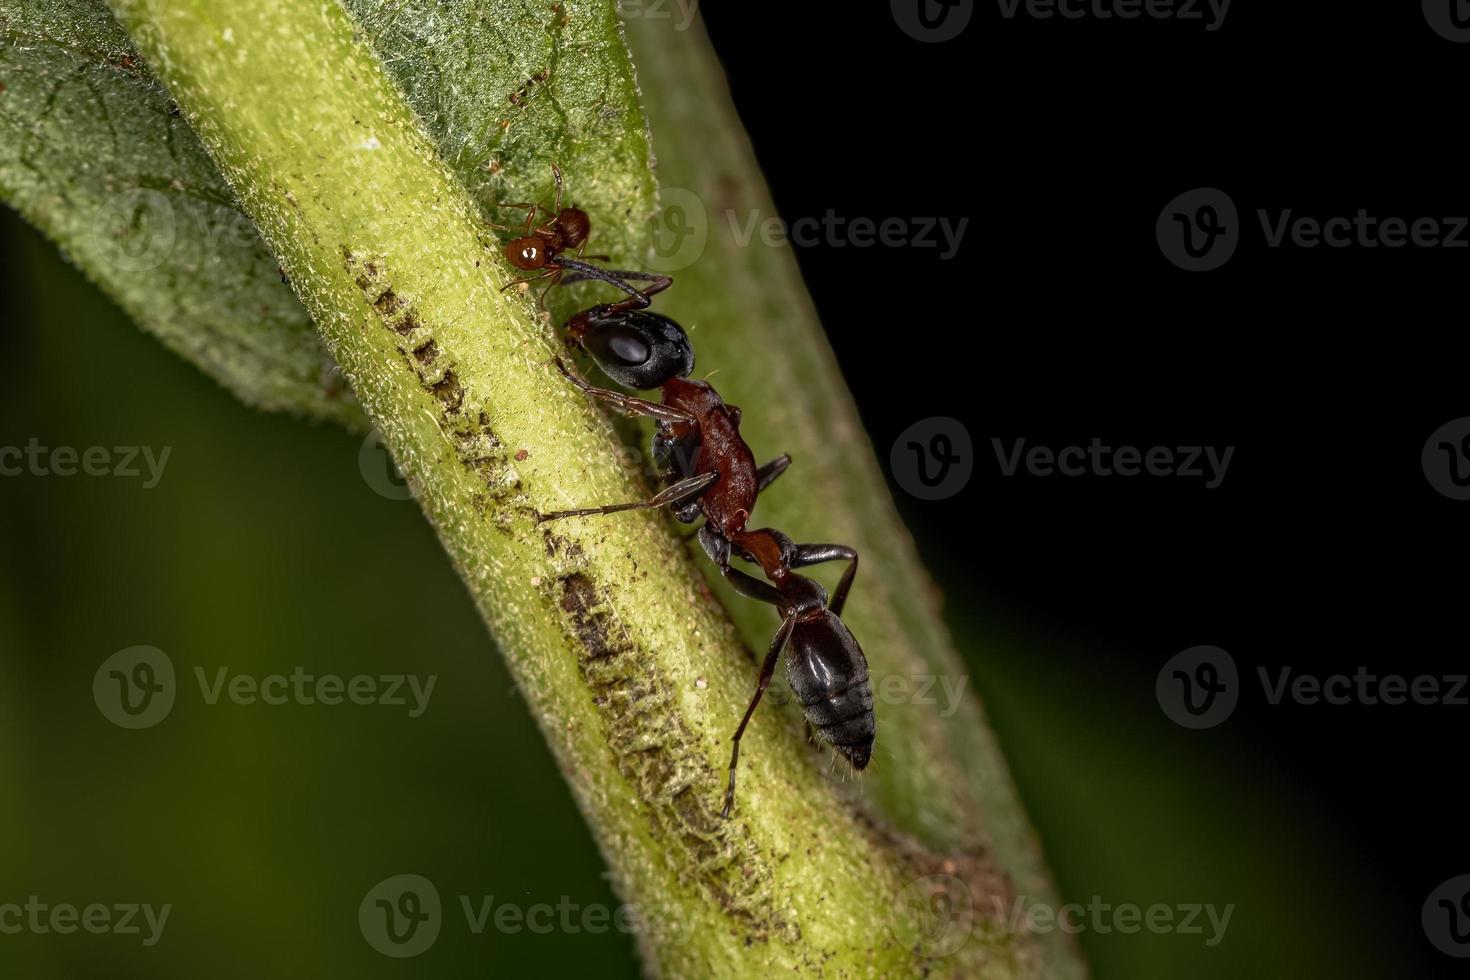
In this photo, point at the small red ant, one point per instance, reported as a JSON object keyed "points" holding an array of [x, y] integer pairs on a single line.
{"points": [[540, 248], [711, 472]]}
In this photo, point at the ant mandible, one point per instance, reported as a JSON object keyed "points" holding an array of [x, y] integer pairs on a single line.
{"points": [[711, 472]]}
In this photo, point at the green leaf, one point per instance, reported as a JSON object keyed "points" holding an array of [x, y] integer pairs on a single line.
{"points": [[94, 153], [97, 156], [507, 89]]}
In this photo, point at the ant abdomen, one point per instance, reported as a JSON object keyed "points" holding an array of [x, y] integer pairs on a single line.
{"points": [[573, 226], [828, 673]]}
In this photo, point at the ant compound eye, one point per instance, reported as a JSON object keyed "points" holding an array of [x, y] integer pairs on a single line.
{"points": [[621, 345], [639, 349]]}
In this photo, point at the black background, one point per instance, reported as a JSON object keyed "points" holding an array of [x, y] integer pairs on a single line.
{"points": [[1325, 548]]}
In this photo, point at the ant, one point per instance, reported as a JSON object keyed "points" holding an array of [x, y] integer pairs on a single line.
{"points": [[540, 250], [710, 471]]}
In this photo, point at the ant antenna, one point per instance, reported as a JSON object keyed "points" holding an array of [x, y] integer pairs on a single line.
{"points": [[556, 176]]}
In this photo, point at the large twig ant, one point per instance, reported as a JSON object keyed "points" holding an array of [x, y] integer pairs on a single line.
{"points": [[710, 472]]}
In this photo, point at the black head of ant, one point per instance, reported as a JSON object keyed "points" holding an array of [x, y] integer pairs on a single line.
{"points": [[634, 347]]}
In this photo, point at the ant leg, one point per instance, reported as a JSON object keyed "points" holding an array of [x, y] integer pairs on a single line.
{"points": [[584, 272], [676, 494], [637, 299], [517, 282], [718, 548], [815, 554], [752, 587], [530, 210], [767, 669], [766, 475], [581, 270], [627, 404], [541, 299]]}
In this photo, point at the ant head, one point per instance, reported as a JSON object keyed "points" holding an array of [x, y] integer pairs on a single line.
{"points": [[635, 348], [526, 253]]}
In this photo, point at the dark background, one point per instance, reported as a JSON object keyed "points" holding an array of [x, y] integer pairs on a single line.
{"points": [[1059, 320], [1325, 548]]}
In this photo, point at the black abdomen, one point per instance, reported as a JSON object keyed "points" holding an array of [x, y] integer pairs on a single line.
{"points": [[829, 676]]}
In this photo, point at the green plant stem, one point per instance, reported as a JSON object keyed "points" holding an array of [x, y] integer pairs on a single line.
{"points": [[631, 669], [939, 775]]}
